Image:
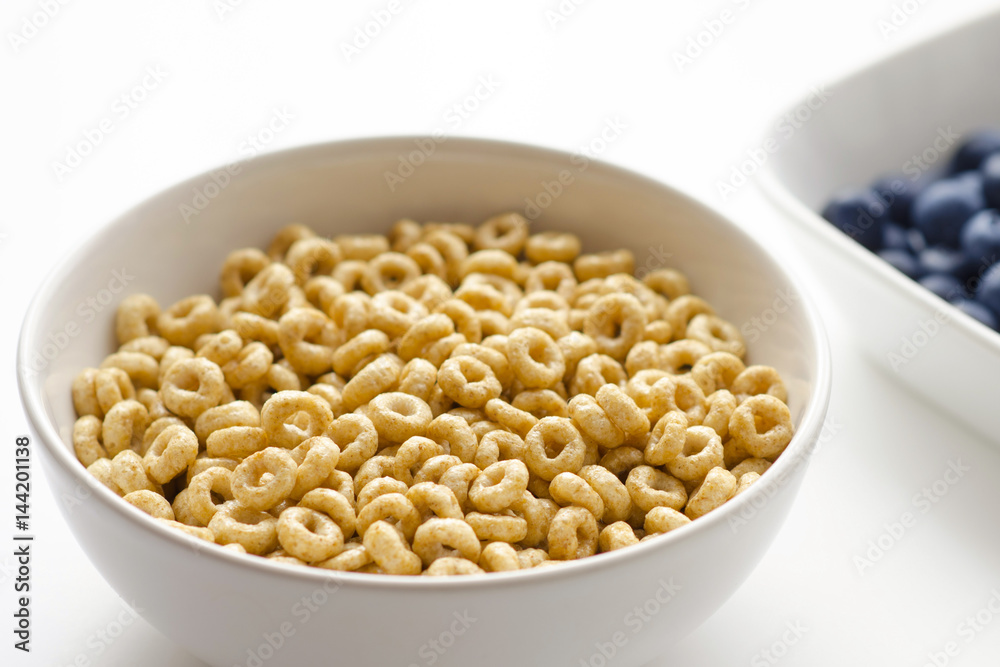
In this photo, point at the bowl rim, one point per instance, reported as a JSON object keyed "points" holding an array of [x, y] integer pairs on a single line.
{"points": [[798, 451], [782, 198]]}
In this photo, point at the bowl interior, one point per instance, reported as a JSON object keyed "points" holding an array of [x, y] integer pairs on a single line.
{"points": [[174, 244]]}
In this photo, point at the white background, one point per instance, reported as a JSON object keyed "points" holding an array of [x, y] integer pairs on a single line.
{"points": [[226, 72]]}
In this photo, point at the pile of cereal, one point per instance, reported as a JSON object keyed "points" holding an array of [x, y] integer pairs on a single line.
{"points": [[448, 399]]}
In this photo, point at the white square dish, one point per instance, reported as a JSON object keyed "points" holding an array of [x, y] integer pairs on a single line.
{"points": [[900, 115]]}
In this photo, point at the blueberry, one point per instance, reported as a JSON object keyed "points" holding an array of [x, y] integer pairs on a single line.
{"points": [[916, 241], [941, 209], [990, 172], [988, 293], [859, 214], [898, 193], [944, 285], [938, 259], [894, 236], [981, 237], [978, 311], [903, 261], [976, 148]]}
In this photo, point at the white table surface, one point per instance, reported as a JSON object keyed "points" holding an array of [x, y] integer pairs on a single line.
{"points": [[556, 84]]}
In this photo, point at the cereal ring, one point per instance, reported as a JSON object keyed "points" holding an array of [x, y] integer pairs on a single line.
{"points": [[759, 380], [468, 381], [489, 262], [573, 534], [171, 452], [678, 393], [428, 259], [284, 239], [434, 467], [264, 479], [219, 348], [308, 339], [351, 312], [412, 455], [442, 538], [425, 333], [130, 474], [202, 491], [309, 535], [334, 505], [429, 290], [192, 386], [153, 346], [595, 371], [499, 486], [464, 317], [753, 464], [237, 442], [716, 371], [529, 558], [553, 446], [592, 421], [507, 232], [357, 438], [136, 317], [499, 557], [316, 458], [434, 501], [151, 503], [255, 531], [667, 440], [535, 358], [353, 558], [718, 486], [663, 520], [681, 355], [289, 417], [255, 328], [454, 435], [616, 322], [623, 411], [617, 535], [239, 267], [349, 274], [498, 527], [103, 471], [603, 264], [394, 506], [187, 319], [87, 440], [123, 427], [379, 487], [395, 312], [552, 247], [418, 378], [569, 489], [649, 488], [142, 369], [518, 421], [404, 234], [310, 257], [668, 282], [762, 425], [267, 292], [322, 291], [745, 482], [237, 413], [716, 333], [702, 452], [377, 377], [96, 391], [644, 355], [721, 406], [498, 445], [398, 416], [682, 310], [362, 247], [450, 567], [613, 493], [459, 478]]}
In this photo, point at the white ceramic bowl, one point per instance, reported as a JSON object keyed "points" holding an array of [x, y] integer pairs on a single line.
{"points": [[874, 122], [230, 609]]}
